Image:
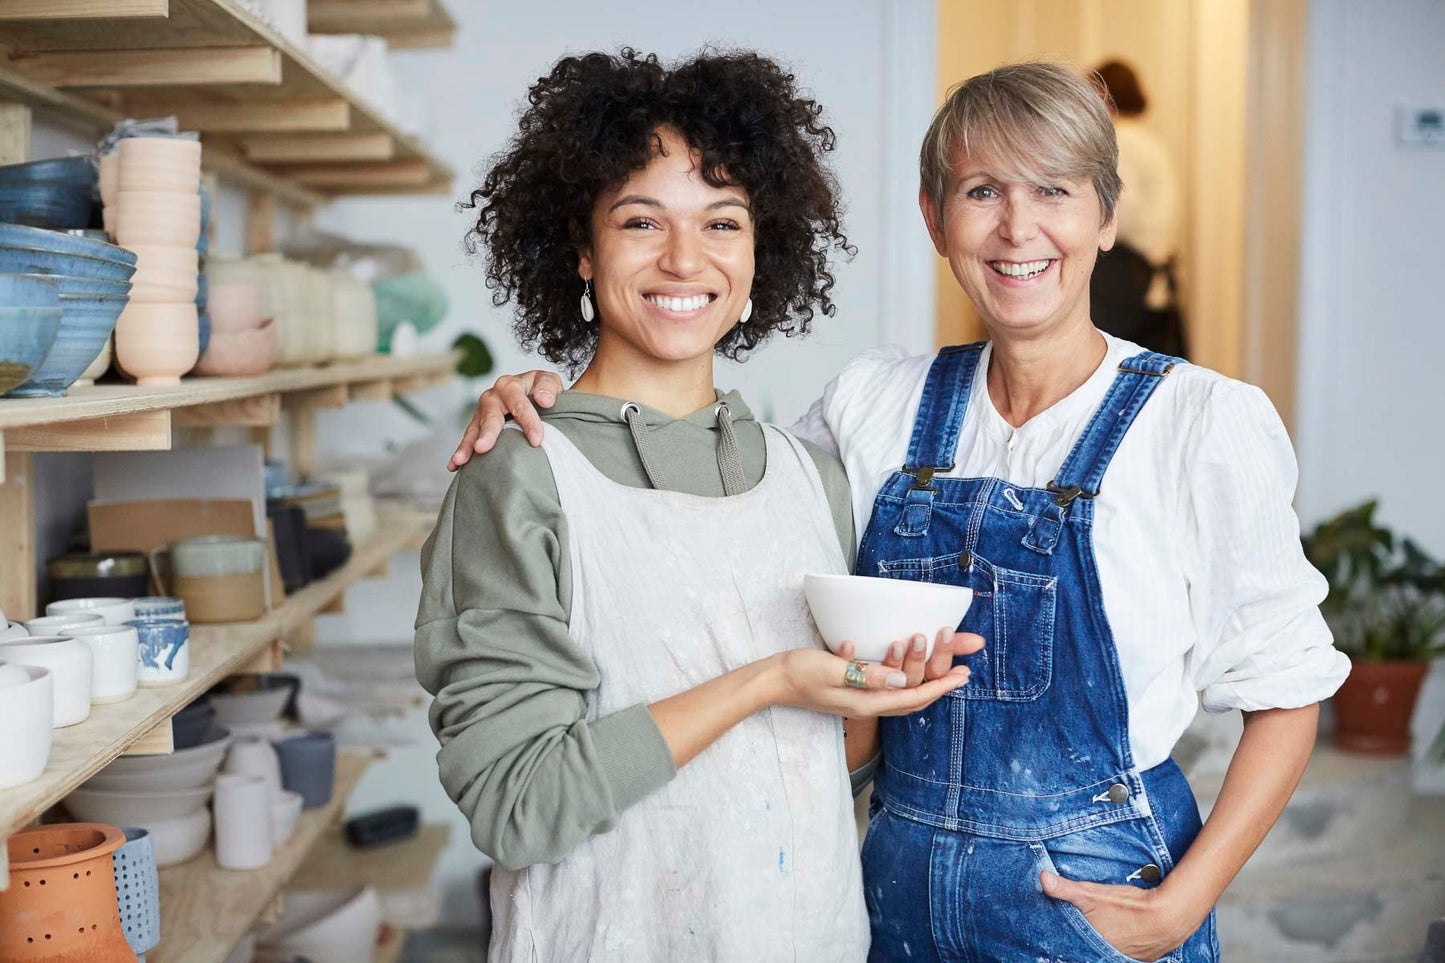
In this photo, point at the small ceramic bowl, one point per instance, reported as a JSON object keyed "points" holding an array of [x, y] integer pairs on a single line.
{"points": [[164, 273], [135, 808], [157, 343], [273, 693], [240, 353], [169, 164], [99, 366], [40, 239], [115, 610], [25, 260], [52, 204], [86, 321], [58, 623], [27, 714], [234, 307], [211, 751], [157, 217], [27, 334], [69, 661], [874, 613], [13, 630]]}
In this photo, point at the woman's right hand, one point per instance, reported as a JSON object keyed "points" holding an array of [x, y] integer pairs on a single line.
{"points": [[515, 395], [813, 679]]}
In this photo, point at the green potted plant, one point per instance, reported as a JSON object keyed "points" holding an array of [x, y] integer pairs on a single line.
{"points": [[1386, 606]]}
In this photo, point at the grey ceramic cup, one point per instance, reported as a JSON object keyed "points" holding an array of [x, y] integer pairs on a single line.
{"points": [[308, 766]]}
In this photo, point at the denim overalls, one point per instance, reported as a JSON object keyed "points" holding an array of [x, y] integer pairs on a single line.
{"points": [[1028, 767]]}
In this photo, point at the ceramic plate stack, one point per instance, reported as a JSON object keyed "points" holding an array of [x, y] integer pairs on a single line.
{"points": [[92, 282], [243, 336], [158, 216]]}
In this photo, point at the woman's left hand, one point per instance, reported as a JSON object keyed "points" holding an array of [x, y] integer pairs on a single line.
{"points": [[1137, 922]]}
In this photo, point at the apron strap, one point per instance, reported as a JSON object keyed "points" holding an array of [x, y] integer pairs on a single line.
{"points": [[936, 427], [1083, 470]]}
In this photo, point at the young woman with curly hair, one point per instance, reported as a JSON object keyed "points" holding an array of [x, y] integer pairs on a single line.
{"points": [[634, 708]]}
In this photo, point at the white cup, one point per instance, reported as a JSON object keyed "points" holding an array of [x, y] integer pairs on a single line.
{"points": [[69, 662], [61, 624], [115, 649], [256, 757], [243, 821]]}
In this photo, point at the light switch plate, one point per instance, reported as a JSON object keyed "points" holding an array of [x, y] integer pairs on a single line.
{"points": [[1420, 127]]}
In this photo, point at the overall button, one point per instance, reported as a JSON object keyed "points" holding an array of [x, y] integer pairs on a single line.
{"points": [[1150, 874], [1119, 793]]}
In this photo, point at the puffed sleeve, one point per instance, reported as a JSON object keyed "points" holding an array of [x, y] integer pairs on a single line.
{"points": [[1260, 640]]}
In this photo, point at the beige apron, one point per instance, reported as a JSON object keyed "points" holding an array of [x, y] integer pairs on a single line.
{"points": [[750, 854]]}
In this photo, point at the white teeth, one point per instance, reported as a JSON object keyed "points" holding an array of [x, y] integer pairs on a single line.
{"points": [[1017, 269], [679, 304]]}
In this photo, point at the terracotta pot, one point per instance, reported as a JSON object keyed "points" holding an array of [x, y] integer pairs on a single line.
{"points": [[1373, 707], [61, 902], [157, 343]]}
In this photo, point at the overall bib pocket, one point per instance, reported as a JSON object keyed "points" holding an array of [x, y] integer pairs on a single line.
{"points": [[1013, 611]]}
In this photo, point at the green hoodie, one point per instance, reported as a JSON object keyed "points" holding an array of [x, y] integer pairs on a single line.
{"points": [[518, 756]]}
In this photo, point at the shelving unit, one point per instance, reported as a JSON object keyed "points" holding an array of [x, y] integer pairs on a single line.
{"points": [[270, 116], [406, 24], [206, 909]]}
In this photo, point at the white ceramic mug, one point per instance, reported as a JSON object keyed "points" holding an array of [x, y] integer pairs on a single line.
{"points": [[27, 714], [70, 663], [61, 624], [116, 651], [115, 611], [243, 821]]}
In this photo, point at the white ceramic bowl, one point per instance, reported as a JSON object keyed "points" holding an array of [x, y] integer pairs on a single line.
{"points": [[27, 712], [873, 613], [71, 663], [180, 839], [58, 624], [339, 926], [121, 808], [285, 810], [250, 708], [13, 630], [116, 652], [115, 611], [211, 751], [199, 773]]}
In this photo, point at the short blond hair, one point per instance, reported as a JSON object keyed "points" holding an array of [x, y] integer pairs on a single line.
{"points": [[1034, 121]]}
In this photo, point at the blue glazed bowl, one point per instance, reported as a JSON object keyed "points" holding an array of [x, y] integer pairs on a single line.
{"points": [[39, 239], [28, 291], [95, 287], [27, 334], [86, 321], [77, 170], [52, 204], [26, 260]]}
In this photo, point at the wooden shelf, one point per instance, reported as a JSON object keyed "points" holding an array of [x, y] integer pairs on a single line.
{"points": [[339, 379], [221, 70], [217, 651], [406, 24], [401, 866], [205, 910]]}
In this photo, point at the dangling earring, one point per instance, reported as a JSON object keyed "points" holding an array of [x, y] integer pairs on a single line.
{"points": [[747, 312], [588, 312]]}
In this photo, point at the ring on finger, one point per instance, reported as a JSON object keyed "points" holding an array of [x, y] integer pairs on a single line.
{"points": [[855, 676]]}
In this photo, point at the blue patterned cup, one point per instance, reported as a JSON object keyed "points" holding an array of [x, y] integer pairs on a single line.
{"points": [[165, 651], [159, 607]]}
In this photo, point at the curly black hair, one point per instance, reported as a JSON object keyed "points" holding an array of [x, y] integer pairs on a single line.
{"points": [[593, 121]]}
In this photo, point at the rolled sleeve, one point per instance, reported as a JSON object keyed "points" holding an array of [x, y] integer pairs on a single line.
{"points": [[1261, 642]]}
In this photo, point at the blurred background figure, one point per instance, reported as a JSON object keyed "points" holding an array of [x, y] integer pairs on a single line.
{"points": [[1134, 293]]}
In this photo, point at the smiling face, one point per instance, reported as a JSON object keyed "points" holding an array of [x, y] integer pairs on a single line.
{"points": [[670, 260], [1022, 252]]}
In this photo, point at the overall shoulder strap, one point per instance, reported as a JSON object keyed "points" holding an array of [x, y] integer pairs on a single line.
{"points": [[940, 413]]}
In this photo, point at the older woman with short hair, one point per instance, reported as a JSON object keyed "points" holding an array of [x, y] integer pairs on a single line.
{"points": [[1125, 521]]}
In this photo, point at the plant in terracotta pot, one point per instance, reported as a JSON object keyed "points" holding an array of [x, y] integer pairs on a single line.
{"points": [[1386, 606]]}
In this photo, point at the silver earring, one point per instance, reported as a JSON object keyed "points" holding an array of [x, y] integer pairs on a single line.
{"points": [[588, 311], [747, 312]]}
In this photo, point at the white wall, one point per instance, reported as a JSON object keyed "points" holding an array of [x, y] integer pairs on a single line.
{"points": [[465, 101], [1372, 319]]}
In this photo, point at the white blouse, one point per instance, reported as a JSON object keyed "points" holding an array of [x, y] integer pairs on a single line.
{"points": [[1204, 582]]}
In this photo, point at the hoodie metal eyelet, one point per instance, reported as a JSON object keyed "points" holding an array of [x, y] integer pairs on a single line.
{"points": [[722, 409], [622, 415]]}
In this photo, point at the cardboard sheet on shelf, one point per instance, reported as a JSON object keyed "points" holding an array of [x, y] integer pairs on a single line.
{"points": [[234, 471], [144, 525]]}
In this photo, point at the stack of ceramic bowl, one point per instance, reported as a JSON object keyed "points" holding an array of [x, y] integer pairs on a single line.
{"points": [[166, 795], [355, 313], [298, 298], [92, 281], [243, 338], [29, 322], [158, 216], [55, 193]]}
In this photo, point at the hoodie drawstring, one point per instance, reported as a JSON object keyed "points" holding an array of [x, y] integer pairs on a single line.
{"points": [[729, 456]]}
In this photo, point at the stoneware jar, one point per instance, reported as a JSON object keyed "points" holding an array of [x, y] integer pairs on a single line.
{"points": [[115, 611], [27, 715], [137, 890], [244, 838], [221, 578], [61, 902], [116, 651], [69, 661], [165, 651]]}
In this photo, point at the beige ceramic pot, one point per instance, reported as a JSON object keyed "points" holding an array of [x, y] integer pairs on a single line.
{"points": [[233, 307], [160, 164], [157, 217], [239, 354], [157, 343], [164, 273]]}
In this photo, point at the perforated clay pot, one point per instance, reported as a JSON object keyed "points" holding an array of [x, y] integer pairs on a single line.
{"points": [[61, 902]]}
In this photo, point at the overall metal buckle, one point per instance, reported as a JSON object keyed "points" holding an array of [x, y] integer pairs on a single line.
{"points": [[1067, 495], [923, 476]]}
